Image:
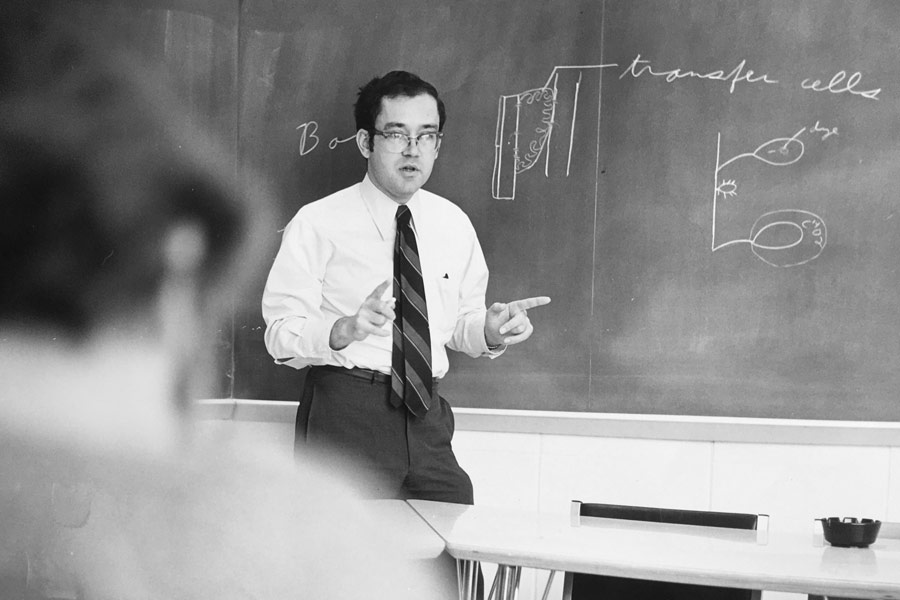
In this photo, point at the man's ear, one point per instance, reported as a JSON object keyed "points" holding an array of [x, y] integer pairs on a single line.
{"points": [[362, 142]]}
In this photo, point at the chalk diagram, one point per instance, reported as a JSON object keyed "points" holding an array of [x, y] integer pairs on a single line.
{"points": [[780, 238], [545, 99], [527, 121]]}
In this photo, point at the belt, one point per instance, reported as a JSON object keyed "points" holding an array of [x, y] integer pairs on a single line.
{"points": [[367, 374]]}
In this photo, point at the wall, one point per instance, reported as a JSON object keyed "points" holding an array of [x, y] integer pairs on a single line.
{"points": [[727, 467]]}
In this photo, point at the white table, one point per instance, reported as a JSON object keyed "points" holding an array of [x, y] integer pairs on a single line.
{"points": [[409, 534], [787, 562]]}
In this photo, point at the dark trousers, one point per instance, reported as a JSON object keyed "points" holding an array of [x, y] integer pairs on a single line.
{"points": [[396, 454]]}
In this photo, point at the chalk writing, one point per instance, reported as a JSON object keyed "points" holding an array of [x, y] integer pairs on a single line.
{"points": [[840, 84], [781, 238], [737, 75], [309, 141], [308, 138], [335, 142], [826, 132]]}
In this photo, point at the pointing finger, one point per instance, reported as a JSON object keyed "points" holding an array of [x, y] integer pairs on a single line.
{"points": [[518, 306], [378, 292]]}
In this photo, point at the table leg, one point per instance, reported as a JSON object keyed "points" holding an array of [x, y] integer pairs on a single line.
{"points": [[467, 578], [508, 582]]}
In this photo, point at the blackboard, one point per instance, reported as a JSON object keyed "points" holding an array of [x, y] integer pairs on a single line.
{"points": [[707, 189]]}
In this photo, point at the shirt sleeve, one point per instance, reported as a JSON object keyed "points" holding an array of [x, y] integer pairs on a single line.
{"points": [[297, 331], [468, 335]]}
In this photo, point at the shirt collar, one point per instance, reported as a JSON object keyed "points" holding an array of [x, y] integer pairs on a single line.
{"points": [[383, 209]]}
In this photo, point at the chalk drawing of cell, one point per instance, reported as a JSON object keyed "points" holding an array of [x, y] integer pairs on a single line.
{"points": [[781, 238], [524, 126], [528, 121]]}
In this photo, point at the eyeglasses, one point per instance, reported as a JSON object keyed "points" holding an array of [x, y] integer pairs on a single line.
{"points": [[397, 142]]}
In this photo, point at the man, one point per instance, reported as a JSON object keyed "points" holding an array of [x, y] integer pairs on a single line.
{"points": [[338, 299]]}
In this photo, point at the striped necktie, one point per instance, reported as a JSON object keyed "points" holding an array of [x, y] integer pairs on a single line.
{"points": [[411, 376]]}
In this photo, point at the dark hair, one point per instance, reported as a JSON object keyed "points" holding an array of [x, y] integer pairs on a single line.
{"points": [[97, 165], [392, 85]]}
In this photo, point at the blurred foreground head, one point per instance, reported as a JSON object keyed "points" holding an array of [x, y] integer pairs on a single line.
{"points": [[118, 221], [124, 236]]}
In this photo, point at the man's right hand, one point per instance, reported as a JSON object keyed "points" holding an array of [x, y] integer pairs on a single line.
{"points": [[370, 319]]}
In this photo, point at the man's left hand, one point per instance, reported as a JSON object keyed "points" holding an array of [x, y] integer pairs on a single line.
{"points": [[508, 323]]}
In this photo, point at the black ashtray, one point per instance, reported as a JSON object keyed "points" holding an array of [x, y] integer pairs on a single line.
{"points": [[850, 532]]}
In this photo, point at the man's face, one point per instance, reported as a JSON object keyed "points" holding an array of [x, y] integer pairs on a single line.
{"points": [[400, 175]]}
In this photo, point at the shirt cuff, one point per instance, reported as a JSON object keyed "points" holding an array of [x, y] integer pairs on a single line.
{"points": [[312, 341], [494, 351]]}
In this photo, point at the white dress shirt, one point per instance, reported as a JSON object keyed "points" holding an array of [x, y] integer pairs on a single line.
{"points": [[337, 250]]}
